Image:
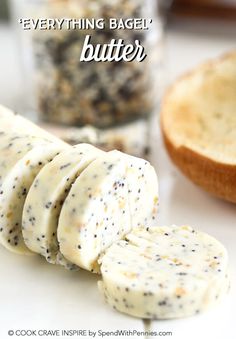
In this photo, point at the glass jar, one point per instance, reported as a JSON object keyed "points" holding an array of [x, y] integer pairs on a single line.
{"points": [[114, 100]]}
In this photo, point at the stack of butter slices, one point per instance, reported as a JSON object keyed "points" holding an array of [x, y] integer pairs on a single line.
{"points": [[80, 207]]}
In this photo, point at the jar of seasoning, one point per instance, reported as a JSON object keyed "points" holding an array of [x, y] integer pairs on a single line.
{"points": [[114, 100]]}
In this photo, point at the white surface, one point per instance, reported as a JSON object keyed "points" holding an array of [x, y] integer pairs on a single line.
{"points": [[36, 295]]}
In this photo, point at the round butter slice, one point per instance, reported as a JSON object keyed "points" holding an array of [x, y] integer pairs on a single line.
{"points": [[96, 211], [164, 272], [143, 191]]}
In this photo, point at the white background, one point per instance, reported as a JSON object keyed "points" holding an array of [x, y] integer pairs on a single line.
{"points": [[36, 295]]}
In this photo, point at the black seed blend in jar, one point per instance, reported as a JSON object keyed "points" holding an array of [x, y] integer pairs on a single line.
{"points": [[102, 94]]}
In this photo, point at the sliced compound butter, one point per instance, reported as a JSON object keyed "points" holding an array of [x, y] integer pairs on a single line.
{"points": [[46, 197], [21, 160], [14, 123], [143, 191], [164, 272], [96, 211]]}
